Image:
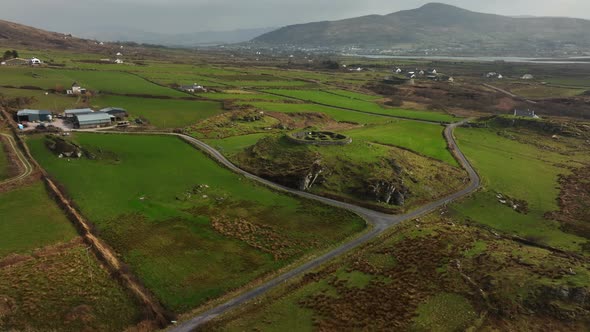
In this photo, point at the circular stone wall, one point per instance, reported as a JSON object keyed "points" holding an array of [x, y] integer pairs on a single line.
{"points": [[319, 138]]}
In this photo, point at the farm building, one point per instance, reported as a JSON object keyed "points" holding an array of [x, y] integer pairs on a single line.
{"points": [[527, 77], [74, 112], [118, 113], [526, 114], [193, 88], [93, 120], [33, 115], [76, 89], [34, 61]]}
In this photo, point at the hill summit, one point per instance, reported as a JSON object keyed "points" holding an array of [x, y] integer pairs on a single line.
{"points": [[443, 28]]}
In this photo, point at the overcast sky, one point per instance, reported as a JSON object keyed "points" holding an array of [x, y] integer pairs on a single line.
{"points": [[170, 16]]}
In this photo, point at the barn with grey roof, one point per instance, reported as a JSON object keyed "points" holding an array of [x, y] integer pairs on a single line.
{"points": [[93, 120], [27, 115]]}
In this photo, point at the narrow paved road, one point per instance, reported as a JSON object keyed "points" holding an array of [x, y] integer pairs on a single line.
{"points": [[26, 166], [380, 222]]}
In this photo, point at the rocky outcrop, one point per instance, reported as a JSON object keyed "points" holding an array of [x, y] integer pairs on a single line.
{"points": [[388, 192], [311, 176], [63, 148], [562, 302]]}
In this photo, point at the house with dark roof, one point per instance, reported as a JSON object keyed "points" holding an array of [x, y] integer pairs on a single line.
{"points": [[27, 115], [526, 114]]}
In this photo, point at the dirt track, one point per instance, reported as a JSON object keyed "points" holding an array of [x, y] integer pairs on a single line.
{"points": [[27, 168]]}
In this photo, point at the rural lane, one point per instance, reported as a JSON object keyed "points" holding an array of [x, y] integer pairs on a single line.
{"points": [[508, 93], [380, 222], [26, 166]]}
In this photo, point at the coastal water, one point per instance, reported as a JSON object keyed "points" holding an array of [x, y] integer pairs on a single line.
{"points": [[578, 60]]}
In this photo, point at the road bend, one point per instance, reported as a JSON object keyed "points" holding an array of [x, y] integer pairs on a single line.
{"points": [[380, 222]]}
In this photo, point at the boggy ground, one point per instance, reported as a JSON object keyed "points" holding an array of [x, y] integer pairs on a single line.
{"points": [[434, 274], [62, 287]]}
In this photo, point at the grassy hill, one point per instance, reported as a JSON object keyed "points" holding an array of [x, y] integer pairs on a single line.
{"points": [[15, 34], [440, 26]]}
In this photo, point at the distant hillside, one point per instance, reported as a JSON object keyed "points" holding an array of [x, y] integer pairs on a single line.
{"points": [[186, 39], [14, 34], [441, 27]]}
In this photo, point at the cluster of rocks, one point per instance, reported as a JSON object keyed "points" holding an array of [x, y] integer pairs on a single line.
{"points": [[311, 176], [389, 192], [63, 148], [518, 205], [197, 190], [563, 302], [248, 116]]}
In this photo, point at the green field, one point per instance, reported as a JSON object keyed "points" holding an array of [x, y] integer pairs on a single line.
{"points": [[239, 96], [570, 82], [353, 95], [174, 215], [52, 102], [348, 102], [335, 113], [232, 145], [104, 81], [49, 280], [545, 91], [521, 171], [162, 113], [429, 142], [30, 220]]}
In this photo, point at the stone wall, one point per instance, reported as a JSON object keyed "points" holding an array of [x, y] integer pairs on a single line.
{"points": [[297, 140]]}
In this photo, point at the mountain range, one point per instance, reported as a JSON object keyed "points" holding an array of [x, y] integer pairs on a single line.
{"points": [[437, 26], [434, 29]]}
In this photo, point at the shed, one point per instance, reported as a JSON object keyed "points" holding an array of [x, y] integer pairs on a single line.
{"points": [[93, 120], [80, 111], [27, 115], [117, 112]]}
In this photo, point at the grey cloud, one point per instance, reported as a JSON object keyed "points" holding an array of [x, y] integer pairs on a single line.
{"points": [[171, 16]]}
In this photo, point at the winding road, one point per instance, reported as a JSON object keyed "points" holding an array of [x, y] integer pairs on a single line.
{"points": [[26, 165], [380, 222]]}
